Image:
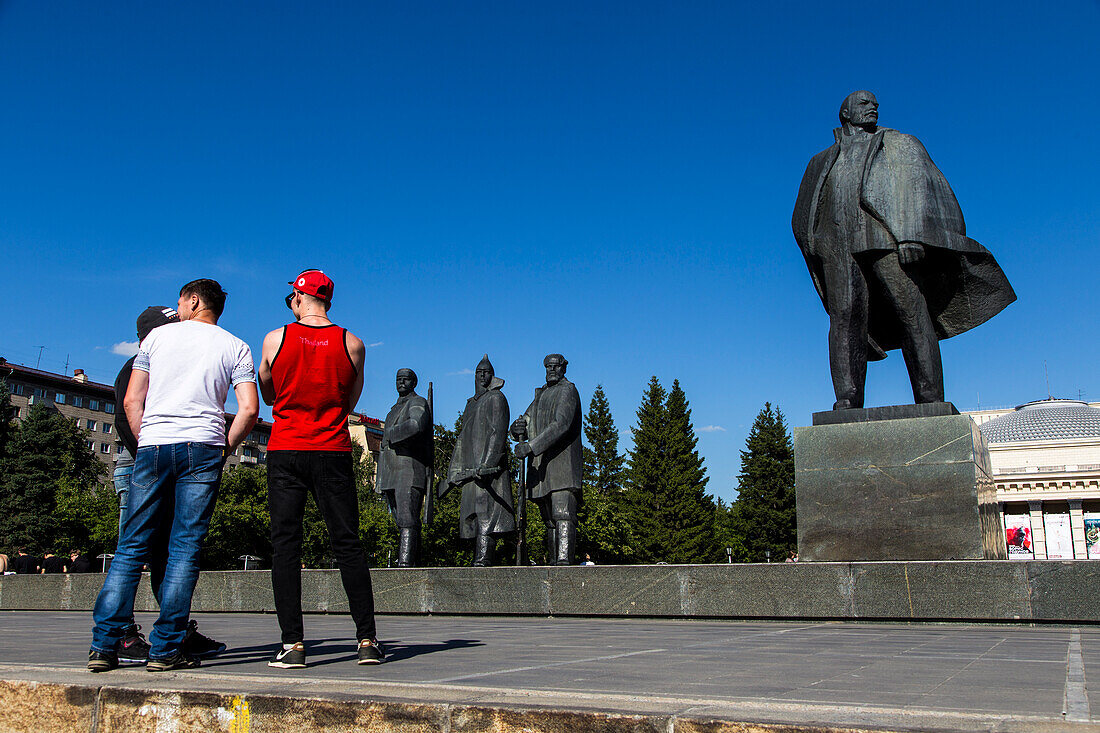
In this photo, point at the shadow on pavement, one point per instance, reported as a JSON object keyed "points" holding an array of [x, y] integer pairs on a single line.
{"points": [[344, 651]]}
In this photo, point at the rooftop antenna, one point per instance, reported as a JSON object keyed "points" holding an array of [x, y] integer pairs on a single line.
{"points": [[979, 401], [39, 362], [66, 364], [1046, 374]]}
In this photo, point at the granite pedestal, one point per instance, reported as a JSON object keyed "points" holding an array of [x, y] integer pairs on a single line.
{"points": [[914, 488]]}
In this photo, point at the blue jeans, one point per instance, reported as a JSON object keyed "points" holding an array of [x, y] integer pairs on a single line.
{"points": [[123, 477], [172, 486]]}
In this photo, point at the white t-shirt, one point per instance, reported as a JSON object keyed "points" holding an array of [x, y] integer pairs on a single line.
{"points": [[191, 367]]}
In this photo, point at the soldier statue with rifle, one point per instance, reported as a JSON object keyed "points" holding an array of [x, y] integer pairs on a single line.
{"points": [[480, 465], [404, 463]]}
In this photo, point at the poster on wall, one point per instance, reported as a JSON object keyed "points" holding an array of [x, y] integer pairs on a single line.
{"points": [[1092, 535], [1018, 536], [1059, 539]]}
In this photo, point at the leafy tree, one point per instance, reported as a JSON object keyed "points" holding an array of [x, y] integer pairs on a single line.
{"points": [[6, 418], [241, 523], [688, 511], [604, 529], [42, 452], [439, 542], [764, 512], [645, 476], [87, 518]]}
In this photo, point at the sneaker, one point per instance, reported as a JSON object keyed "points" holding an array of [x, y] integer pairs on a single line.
{"points": [[101, 661], [370, 652], [177, 660], [133, 649], [292, 658], [199, 645]]}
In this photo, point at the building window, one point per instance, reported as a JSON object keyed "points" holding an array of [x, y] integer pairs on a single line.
{"points": [[118, 449], [104, 448], [77, 401], [109, 408], [249, 453], [93, 404], [39, 392], [91, 444], [76, 421], [16, 389], [107, 428], [59, 398], [90, 424]]}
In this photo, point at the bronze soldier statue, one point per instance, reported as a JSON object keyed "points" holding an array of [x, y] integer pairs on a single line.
{"points": [[886, 245], [403, 464], [550, 432], [479, 465]]}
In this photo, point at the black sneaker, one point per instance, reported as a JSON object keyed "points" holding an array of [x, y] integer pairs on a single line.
{"points": [[292, 658], [370, 652], [133, 649], [199, 645], [177, 660], [101, 661]]}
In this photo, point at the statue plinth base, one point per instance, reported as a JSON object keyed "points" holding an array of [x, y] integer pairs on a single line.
{"points": [[908, 488]]}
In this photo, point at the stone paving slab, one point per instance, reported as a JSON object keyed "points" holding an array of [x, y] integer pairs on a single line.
{"points": [[664, 675]]}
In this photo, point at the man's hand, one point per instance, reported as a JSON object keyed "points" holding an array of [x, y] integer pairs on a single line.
{"points": [[523, 450], [519, 428], [910, 253]]}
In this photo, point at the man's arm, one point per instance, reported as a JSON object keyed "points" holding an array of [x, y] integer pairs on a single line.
{"points": [[272, 343], [134, 404], [248, 409], [358, 353]]}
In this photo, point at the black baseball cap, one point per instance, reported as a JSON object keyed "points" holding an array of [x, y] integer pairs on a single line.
{"points": [[154, 316]]}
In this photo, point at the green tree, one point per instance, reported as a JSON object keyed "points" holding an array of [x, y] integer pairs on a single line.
{"points": [[43, 451], [645, 476], [241, 523], [604, 529], [764, 512], [688, 512], [5, 416], [87, 517], [439, 542]]}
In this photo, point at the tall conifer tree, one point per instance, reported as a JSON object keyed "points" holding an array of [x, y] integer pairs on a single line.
{"points": [[646, 475], [605, 531], [688, 512], [764, 512]]}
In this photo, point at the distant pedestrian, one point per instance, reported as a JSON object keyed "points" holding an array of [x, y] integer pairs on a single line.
{"points": [[52, 564], [311, 372], [25, 564], [175, 405], [792, 557], [79, 563], [588, 560]]}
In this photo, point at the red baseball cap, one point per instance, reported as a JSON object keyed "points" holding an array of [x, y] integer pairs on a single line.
{"points": [[315, 283]]}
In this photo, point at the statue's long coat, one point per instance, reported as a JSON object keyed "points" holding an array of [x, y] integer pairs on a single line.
{"points": [[554, 430], [483, 444], [407, 446], [904, 192]]}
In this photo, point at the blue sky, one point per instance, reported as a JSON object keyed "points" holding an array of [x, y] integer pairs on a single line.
{"points": [[613, 181]]}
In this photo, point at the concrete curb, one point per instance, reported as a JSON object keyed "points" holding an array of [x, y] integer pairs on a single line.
{"points": [[84, 708], [1000, 590]]}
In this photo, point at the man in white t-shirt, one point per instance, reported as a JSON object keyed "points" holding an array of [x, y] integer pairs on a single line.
{"points": [[175, 405]]}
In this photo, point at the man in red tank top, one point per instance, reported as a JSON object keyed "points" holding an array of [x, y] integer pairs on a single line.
{"points": [[311, 373]]}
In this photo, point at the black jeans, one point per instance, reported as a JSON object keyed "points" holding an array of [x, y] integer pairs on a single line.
{"points": [[328, 476]]}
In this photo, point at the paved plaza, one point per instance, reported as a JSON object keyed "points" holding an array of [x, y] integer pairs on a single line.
{"points": [[918, 677]]}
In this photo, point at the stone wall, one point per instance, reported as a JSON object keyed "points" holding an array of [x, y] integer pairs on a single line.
{"points": [[1006, 590]]}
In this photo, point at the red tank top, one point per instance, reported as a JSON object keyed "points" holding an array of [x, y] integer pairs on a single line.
{"points": [[313, 375]]}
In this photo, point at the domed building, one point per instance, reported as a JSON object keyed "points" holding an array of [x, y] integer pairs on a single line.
{"points": [[1045, 457]]}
